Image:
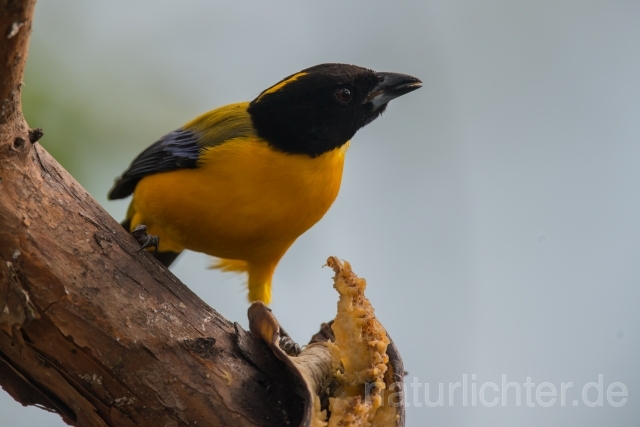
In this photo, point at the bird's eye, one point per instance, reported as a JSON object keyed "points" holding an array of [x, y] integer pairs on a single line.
{"points": [[343, 94]]}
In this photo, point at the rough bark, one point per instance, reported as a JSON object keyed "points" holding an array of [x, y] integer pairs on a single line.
{"points": [[92, 329]]}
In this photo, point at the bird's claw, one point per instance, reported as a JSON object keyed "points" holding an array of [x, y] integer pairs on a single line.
{"points": [[146, 240], [289, 346]]}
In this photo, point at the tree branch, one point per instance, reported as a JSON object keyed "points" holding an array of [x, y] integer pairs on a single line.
{"points": [[90, 328]]}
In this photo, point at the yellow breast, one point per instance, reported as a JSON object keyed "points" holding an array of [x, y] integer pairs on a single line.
{"points": [[245, 200]]}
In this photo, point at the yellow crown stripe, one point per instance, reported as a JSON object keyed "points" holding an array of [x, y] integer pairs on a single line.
{"points": [[282, 84]]}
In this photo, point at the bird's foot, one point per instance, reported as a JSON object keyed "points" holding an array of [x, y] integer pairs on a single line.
{"points": [[146, 240], [288, 345]]}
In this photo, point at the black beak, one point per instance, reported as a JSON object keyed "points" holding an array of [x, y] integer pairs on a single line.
{"points": [[391, 86]]}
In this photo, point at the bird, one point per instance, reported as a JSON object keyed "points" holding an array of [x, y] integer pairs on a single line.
{"points": [[242, 182]]}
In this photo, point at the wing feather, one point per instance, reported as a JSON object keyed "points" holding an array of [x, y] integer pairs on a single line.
{"points": [[181, 148], [176, 150]]}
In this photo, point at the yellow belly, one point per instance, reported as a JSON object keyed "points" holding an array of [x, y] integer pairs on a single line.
{"points": [[245, 201]]}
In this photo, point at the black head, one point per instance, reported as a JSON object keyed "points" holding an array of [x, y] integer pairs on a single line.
{"points": [[322, 107]]}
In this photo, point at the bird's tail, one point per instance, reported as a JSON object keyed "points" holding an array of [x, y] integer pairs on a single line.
{"points": [[259, 280]]}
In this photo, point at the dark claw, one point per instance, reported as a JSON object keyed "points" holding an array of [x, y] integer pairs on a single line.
{"points": [[146, 241], [35, 135], [150, 241], [288, 345]]}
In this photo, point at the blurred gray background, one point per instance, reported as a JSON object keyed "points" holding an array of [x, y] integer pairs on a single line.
{"points": [[495, 213]]}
